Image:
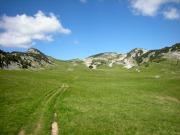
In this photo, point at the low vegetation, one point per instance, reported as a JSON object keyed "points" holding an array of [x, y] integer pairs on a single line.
{"points": [[87, 102]]}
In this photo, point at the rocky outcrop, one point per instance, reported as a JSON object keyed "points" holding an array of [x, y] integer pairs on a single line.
{"points": [[135, 57], [160, 54], [33, 58], [110, 59]]}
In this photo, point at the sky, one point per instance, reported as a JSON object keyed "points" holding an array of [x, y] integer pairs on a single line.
{"points": [[68, 29]]}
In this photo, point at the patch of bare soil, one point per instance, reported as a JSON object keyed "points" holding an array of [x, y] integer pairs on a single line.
{"points": [[22, 132], [54, 130], [168, 98]]}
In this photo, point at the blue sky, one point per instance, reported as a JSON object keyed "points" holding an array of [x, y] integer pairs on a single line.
{"points": [[99, 25]]}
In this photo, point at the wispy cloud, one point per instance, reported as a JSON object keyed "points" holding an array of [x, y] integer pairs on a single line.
{"points": [[76, 42], [172, 14], [150, 7], [83, 1], [86, 1], [23, 30]]}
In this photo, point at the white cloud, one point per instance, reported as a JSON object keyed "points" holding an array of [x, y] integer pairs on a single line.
{"points": [[171, 14], [83, 1], [149, 7], [22, 30]]}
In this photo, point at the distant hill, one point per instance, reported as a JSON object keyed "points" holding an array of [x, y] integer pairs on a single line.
{"points": [[33, 58], [136, 57]]}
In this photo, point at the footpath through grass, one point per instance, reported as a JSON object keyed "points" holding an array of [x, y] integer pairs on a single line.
{"points": [[106, 101]]}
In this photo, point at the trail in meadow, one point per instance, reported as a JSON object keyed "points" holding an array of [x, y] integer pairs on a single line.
{"points": [[54, 126], [48, 101], [51, 98]]}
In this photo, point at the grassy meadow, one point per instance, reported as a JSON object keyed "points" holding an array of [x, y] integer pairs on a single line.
{"points": [[106, 101]]}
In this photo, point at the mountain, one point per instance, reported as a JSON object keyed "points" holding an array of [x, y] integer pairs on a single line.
{"points": [[33, 58], [128, 60], [159, 55], [135, 57]]}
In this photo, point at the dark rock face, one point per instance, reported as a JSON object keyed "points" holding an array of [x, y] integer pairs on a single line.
{"points": [[33, 58]]}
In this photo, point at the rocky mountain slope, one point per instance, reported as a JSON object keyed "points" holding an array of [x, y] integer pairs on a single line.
{"points": [[33, 58], [133, 58]]}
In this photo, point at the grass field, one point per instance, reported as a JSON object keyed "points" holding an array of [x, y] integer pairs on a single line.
{"points": [[106, 101]]}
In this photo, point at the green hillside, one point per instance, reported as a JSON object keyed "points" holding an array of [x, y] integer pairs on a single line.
{"points": [[105, 101]]}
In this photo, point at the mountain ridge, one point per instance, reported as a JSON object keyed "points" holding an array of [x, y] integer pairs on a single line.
{"points": [[34, 58], [135, 57]]}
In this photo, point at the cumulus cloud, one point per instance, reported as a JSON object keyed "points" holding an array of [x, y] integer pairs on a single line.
{"points": [[23, 30], [172, 14], [149, 7]]}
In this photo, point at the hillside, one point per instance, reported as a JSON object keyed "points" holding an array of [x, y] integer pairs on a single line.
{"points": [[172, 52], [136, 57], [33, 58]]}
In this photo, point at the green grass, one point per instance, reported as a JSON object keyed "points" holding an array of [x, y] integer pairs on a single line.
{"points": [[106, 101]]}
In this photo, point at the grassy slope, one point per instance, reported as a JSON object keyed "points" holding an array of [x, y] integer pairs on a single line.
{"points": [[104, 101]]}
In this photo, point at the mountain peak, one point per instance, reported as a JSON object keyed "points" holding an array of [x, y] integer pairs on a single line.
{"points": [[34, 51], [32, 58]]}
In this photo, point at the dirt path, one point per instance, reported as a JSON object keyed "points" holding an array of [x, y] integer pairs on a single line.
{"points": [[49, 99], [54, 130], [54, 126], [22, 132]]}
